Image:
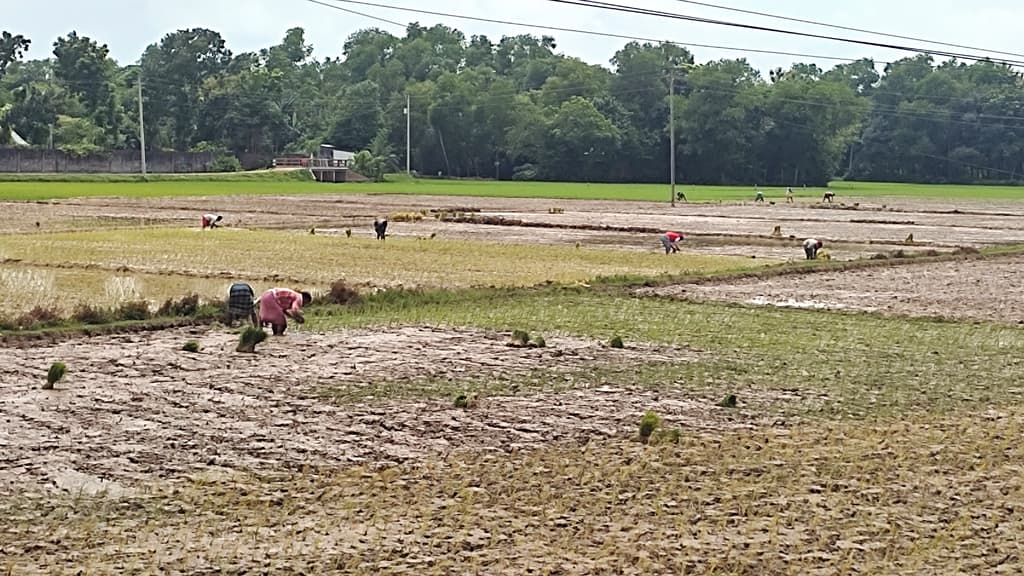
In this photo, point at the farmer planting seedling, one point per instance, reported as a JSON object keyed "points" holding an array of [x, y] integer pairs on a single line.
{"points": [[242, 303], [211, 221], [279, 304], [670, 241], [811, 247], [380, 227]]}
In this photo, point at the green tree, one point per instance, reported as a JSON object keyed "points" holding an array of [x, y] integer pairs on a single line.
{"points": [[12, 48], [358, 117], [86, 70], [721, 123], [173, 75], [376, 161], [78, 136], [581, 140], [811, 122]]}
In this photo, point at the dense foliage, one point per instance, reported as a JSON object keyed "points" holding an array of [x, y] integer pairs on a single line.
{"points": [[519, 109]]}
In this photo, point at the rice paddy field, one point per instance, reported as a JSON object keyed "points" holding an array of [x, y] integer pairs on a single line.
{"points": [[524, 385]]}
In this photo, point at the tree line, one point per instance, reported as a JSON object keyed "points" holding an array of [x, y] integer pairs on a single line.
{"points": [[517, 108]]}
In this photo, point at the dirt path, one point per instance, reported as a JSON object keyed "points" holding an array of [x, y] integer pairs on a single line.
{"points": [[135, 407], [988, 290]]}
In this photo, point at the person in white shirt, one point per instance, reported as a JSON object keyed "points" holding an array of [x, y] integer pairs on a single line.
{"points": [[211, 220], [811, 247]]}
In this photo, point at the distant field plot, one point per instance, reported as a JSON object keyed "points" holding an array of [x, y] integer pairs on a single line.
{"points": [[319, 260], [987, 290]]}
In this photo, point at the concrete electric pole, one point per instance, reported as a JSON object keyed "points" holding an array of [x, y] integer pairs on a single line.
{"points": [[142, 128], [408, 133]]}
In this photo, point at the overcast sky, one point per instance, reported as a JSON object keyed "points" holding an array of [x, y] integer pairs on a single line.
{"points": [[128, 26]]}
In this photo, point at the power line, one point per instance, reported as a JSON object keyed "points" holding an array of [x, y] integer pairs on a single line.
{"points": [[582, 31], [620, 8], [350, 11], [847, 28]]}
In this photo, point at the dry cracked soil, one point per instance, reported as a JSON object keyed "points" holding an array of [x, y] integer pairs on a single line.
{"points": [[137, 407]]}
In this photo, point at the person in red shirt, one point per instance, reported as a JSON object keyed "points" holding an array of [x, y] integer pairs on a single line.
{"points": [[669, 240], [279, 304]]}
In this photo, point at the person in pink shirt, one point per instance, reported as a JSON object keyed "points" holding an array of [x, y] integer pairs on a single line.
{"points": [[279, 304]]}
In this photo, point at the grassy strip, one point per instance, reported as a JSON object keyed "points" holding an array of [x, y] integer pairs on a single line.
{"points": [[846, 365], [54, 186], [87, 320], [940, 191], [69, 330], [660, 192]]}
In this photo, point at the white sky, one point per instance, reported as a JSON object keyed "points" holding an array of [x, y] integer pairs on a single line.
{"points": [[128, 26]]}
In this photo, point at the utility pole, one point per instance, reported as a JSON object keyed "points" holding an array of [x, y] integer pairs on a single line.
{"points": [[142, 128], [408, 132], [672, 132]]}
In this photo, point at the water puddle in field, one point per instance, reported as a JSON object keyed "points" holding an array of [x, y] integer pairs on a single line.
{"points": [[792, 303]]}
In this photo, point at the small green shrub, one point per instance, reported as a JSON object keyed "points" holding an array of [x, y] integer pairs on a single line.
{"points": [[39, 317], [88, 314], [728, 402], [250, 338], [342, 293], [55, 374], [520, 339], [185, 306], [616, 342], [648, 424], [137, 310], [211, 310], [539, 342], [191, 346], [348, 232], [466, 401], [672, 436], [226, 163]]}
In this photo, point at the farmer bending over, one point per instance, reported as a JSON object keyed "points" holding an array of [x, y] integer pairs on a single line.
{"points": [[811, 247], [669, 240], [242, 303], [211, 220], [279, 304]]}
